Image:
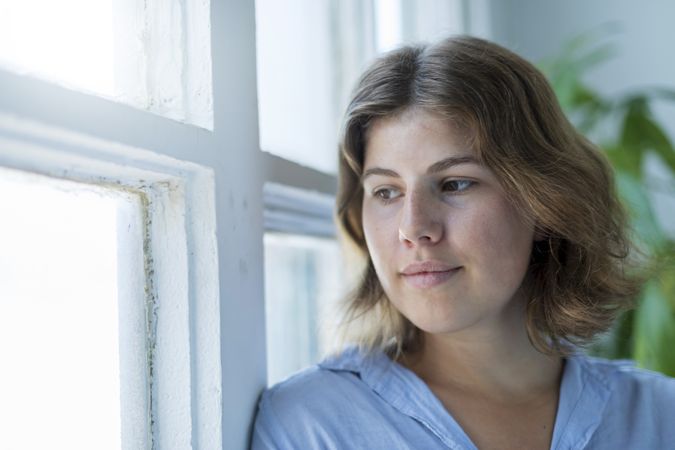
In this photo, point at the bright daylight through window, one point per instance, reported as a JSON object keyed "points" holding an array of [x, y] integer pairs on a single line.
{"points": [[302, 286], [69, 42], [152, 55], [59, 314]]}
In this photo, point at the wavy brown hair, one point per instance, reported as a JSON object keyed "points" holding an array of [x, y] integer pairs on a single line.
{"points": [[580, 275]]}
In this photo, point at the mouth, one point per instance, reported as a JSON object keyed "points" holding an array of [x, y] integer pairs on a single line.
{"points": [[429, 279]]}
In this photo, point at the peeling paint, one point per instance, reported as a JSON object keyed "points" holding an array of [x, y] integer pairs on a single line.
{"points": [[170, 198], [151, 314]]}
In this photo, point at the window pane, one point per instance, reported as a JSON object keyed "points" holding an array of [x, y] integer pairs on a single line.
{"points": [[296, 69], [151, 54], [59, 339], [69, 41], [302, 286], [388, 24], [310, 54]]}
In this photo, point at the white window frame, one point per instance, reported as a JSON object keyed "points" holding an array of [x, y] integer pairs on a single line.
{"points": [[210, 337], [170, 300]]}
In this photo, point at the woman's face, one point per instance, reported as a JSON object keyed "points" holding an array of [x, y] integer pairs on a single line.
{"points": [[449, 249]]}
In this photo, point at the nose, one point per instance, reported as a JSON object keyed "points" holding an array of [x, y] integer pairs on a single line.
{"points": [[419, 224]]}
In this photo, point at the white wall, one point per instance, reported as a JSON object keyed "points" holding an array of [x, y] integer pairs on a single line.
{"points": [[538, 28]]}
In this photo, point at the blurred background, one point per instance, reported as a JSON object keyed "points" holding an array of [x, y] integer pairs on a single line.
{"points": [[254, 91]]}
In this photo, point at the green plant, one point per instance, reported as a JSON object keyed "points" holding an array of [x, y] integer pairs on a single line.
{"points": [[625, 127]]}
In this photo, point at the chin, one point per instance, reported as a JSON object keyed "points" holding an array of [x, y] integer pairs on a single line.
{"points": [[439, 328], [437, 324]]}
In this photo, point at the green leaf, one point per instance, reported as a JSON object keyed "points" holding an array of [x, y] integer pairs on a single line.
{"points": [[640, 133], [625, 160], [589, 107], [654, 338], [634, 140], [662, 93], [617, 343], [656, 139], [647, 229]]}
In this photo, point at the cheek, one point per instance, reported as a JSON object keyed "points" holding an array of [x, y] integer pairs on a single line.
{"points": [[502, 241], [381, 234], [379, 225]]}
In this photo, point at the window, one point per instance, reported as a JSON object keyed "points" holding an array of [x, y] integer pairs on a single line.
{"points": [[303, 277], [200, 180], [153, 55], [302, 288], [209, 287], [169, 296], [309, 61], [59, 259], [112, 279]]}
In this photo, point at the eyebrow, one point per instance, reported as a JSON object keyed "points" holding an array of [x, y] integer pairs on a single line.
{"points": [[434, 168]]}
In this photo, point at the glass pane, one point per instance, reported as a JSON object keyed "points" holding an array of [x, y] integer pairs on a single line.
{"points": [[68, 41], [310, 54], [153, 55], [60, 380], [302, 285], [388, 24], [296, 69]]}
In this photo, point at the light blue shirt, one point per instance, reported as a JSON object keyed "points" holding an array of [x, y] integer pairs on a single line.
{"points": [[357, 402]]}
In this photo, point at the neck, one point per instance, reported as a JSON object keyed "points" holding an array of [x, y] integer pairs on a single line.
{"points": [[501, 365]]}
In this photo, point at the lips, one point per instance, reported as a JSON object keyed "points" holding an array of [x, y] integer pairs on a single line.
{"points": [[427, 274]]}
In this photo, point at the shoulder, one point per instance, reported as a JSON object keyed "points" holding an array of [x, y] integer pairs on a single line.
{"points": [[310, 405], [631, 386], [639, 407], [329, 384], [310, 390], [625, 373]]}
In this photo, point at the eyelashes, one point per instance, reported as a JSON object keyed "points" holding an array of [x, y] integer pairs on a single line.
{"points": [[459, 185], [388, 194]]}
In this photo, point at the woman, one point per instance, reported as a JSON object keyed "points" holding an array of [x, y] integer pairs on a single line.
{"points": [[493, 244]]}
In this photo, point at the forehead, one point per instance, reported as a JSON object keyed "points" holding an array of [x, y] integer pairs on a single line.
{"points": [[414, 136]]}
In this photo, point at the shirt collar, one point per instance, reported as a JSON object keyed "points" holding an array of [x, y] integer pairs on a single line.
{"points": [[584, 394], [404, 391]]}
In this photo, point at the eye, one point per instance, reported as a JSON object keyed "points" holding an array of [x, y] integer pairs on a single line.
{"points": [[456, 186], [386, 195]]}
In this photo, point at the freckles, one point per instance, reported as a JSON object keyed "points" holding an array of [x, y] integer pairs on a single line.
{"points": [[376, 237], [478, 231], [495, 237], [376, 231], [380, 223]]}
